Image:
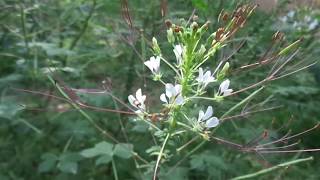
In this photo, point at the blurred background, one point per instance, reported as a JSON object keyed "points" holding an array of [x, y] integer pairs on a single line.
{"points": [[92, 44]]}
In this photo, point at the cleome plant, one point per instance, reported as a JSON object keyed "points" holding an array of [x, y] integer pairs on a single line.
{"points": [[192, 93], [187, 88]]}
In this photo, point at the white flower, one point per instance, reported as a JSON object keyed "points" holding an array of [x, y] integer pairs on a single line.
{"points": [[178, 50], [138, 101], [313, 25], [172, 95], [205, 78], [224, 88], [207, 118], [291, 14], [153, 64]]}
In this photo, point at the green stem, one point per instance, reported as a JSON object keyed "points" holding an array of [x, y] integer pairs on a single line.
{"points": [[279, 166], [242, 102], [159, 157], [85, 26], [114, 169], [185, 157]]}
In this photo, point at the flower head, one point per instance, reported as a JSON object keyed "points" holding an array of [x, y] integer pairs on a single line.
{"points": [[173, 94], [207, 119], [153, 64], [205, 78], [224, 88], [138, 101], [178, 51]]}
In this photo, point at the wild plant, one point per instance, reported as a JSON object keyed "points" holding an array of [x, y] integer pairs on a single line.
{"points": [[192, 93]]}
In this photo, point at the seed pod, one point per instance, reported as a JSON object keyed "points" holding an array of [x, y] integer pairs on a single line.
{"points": [[219, 34], [168, 23]]}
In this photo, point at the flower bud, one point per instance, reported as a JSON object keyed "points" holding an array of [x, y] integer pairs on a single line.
{"points": [[223, 71], [170, 36], [155, 47]]}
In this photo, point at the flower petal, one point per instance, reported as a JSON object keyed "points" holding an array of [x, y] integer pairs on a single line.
{"points": [[208, 113], [157, 64], [178, 89], [131, 99], [224, 85], [179, 100], [139, 95], [149, 65], [212, 122], [163, 98], [227, 92], [201, 114], [170, 91]]}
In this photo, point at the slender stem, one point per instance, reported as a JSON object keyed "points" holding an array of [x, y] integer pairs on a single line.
{"points": [[186, 156], [159, 157], [242, 102], [279, 166], [24, 29], [85, 26], [186, 144], [173, 68], [114, 169]]}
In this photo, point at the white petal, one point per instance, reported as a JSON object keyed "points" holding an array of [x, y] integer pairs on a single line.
{"points": [[227, 92], [163, 98], [139, 95], [170, 91], [157, 63], [208, 113], [179, 100], [212, 122], [149, 65], [138, 112], [131, 99], [178, 89], [224, 85], [200, 77], [201, 114]]}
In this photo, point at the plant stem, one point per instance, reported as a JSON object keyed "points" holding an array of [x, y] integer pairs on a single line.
{"points": [[85, 26], [114, 169], [264, 171], [159, 157]]}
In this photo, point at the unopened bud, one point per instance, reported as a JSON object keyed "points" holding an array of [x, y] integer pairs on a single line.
{"points": [[194, 26], [170, 36], [223, 71], [195, 18], [155, 47]]}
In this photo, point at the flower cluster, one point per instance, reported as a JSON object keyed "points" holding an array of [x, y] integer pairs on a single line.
{"points": [[187, 86]]}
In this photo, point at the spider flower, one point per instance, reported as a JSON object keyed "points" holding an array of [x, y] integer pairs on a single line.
{"points": [[207, 119], [138, 101], [224, 88], [153, 64], [173, 95], [205, 78], [178, 51]]}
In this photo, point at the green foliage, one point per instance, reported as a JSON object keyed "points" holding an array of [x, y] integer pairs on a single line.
{"points": [[44, 138]]}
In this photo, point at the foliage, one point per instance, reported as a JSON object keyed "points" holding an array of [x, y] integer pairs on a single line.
{"points": [[97, 45]]}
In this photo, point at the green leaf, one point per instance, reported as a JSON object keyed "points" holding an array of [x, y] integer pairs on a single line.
{"points": [[49, 162], [10, 109], [123, 150], [102, 148], [68, 167], [105, 159]]}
